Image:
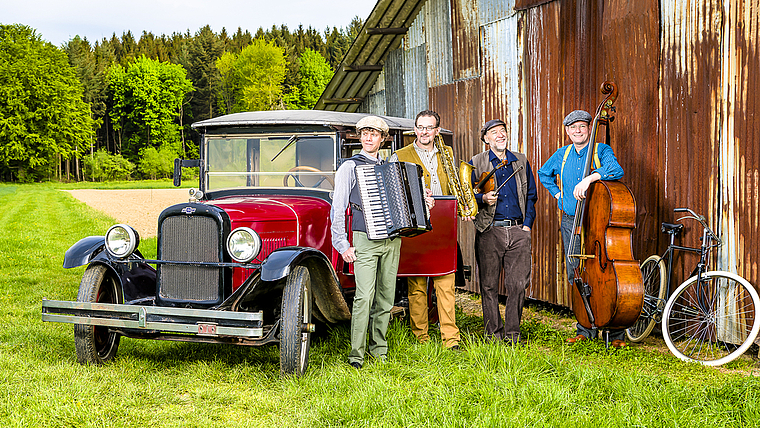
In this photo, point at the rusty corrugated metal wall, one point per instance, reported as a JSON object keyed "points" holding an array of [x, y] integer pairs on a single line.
{"points": [[740, 134], [684, 129]]}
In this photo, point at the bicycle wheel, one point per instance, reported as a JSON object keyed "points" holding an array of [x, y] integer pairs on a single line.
{"points": [[654, 273], [711, 321]]}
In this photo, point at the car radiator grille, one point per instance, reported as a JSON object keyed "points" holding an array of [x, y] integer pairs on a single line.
{"points": [[189, 239]]}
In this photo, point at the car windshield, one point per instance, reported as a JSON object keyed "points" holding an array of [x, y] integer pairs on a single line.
{"points": [[276, 160]]}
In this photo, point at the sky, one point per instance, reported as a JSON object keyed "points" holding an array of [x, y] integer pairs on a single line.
{"points": [[58, 21]]}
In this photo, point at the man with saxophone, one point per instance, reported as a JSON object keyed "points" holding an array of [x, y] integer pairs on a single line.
{"points": [[435, 159], [502, 237]]}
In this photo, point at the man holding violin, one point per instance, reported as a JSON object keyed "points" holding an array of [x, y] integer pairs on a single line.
{"points": [[568, 162], [506, 195]]}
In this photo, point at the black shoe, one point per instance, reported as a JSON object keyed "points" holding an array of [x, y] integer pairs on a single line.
{"points": [[355, 365], [378, 359]]}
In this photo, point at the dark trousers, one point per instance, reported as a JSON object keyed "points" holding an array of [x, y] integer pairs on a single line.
{"points": [[509, 248], [571, 263]]}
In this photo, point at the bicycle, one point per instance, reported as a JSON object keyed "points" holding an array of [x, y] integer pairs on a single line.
{"points": [[711, 318]]}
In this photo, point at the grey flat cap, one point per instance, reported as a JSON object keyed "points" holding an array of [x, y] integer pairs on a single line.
{"points": [[575, 116]]}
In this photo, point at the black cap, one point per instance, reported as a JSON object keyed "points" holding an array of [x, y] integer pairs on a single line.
{"points": [[490, 124]]}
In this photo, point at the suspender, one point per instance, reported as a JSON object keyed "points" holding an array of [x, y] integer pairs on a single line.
{"points": [[596, 164]]}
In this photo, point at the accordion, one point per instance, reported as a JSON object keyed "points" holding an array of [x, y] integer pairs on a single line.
{"points": [[393, 199]]}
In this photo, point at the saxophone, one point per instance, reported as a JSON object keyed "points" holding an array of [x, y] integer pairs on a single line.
{"points": [[467, 206]]}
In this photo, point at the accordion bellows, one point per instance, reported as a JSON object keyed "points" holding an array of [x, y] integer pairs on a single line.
{"points": [[393, 199]]}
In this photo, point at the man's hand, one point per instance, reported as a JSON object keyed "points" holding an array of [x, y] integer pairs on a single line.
{"points": [[490, 198], [349, 256], [580, 189], [429, 201], [526, 228]]}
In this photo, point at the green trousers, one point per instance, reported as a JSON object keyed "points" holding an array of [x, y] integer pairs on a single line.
{"points": [[375, 271]]}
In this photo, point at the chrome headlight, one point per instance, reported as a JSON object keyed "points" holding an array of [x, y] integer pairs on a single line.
{"points": [[243, 244], [121, 240]]}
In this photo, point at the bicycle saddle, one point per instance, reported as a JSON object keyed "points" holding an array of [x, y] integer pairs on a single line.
{"points": [[673, 229]]}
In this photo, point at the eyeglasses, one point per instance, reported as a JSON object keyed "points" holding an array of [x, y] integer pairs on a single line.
{"points": [[578, 127], [426, 128]]}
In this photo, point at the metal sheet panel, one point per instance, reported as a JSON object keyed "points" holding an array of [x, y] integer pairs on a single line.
{"points": [[416, 34], [438, 42], [739, 137], [501, 81], [395, 96], [494, 10], [544, 131], [464, 36], [458, 104], [689, 115], [415, 81]]}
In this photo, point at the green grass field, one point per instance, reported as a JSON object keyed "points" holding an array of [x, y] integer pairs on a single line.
{"points": [[171, 384]]}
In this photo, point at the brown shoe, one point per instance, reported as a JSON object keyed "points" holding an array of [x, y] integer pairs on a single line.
{"points": [[618, 344], [576, 339]]}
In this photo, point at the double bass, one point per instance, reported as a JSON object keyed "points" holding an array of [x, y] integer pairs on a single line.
{"points": [[608, 288]]}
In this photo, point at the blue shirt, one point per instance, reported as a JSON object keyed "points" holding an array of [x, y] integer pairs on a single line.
{"points": [[573, 173], [507, 206]]}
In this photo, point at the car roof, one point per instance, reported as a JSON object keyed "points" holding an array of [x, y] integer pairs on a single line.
{"points": [[298, 117]]}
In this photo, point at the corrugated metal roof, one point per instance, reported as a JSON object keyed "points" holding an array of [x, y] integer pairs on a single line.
{"points": [[382, 33]]}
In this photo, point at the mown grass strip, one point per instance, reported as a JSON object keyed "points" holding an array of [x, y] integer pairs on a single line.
{"points": [[545, 383]]}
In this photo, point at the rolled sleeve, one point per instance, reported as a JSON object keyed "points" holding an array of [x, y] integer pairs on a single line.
{"points": [[610, 169]]}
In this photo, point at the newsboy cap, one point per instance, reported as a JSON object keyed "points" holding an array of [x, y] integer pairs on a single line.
{"points": [[575, 116], [490, 124], [373, 122]]}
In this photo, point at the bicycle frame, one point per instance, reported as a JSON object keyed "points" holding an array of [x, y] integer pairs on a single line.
{"points": [[708, 237]]}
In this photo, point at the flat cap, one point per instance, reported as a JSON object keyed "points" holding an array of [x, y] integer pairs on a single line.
{"points": [[373, 122], [490, 124], [575, 116]]}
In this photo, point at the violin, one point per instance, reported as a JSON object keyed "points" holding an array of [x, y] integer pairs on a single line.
{"points": [[487, 181], [609, 290]]}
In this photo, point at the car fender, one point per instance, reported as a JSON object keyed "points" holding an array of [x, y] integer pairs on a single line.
{"points": [[324, 281], [137, 278], [84, 251]]}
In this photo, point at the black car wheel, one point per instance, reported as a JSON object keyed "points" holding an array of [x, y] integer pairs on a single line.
{"points": [[295, 324], [96, 344]]}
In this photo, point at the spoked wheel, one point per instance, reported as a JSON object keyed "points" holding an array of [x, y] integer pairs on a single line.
{"points": [[295, 323], [654, 273], [96, 344], [711, 321]]}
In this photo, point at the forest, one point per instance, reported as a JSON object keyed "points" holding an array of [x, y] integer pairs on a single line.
{"points": [[121, 108]]}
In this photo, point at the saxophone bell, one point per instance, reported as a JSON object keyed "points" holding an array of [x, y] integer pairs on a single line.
{"points": [[459, 181]]}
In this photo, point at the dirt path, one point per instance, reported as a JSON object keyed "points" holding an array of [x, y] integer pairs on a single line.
{"points": [[138, 208]]}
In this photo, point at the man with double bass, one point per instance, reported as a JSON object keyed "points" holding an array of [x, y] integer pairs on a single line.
{"points": [[568, 162], [502, 237]]}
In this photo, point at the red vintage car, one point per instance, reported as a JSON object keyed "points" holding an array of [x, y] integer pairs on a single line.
{"points": [[248, 259]]}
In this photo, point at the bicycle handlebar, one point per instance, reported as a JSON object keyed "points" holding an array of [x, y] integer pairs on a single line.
{"points": [[701, 219]]}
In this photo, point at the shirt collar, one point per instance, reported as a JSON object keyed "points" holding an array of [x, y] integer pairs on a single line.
{"points": [[367, 155], [492, 156]]}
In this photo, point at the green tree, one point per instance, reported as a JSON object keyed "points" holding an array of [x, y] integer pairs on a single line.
{"points": [[315, 74], [103, 166], [253, 80], [205, 48], [147, 102], [42, 114]]}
